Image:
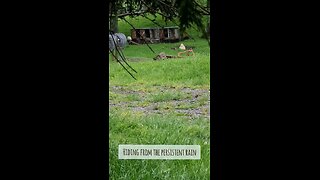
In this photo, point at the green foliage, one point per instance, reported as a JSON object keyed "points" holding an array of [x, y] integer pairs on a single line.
{"points": [[187, 12], [141, 22]]}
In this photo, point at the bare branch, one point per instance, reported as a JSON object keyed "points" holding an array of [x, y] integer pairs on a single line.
{"points": [[206, 12], [132, 14]]}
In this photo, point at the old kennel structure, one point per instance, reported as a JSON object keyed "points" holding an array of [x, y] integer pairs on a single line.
{"points": [[156, 35]]}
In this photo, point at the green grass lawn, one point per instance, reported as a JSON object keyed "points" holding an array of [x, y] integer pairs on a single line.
{"points": [[167, 104], [127, 127]]}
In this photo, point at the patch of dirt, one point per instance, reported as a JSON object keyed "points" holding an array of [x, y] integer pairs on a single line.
{"points": [[123, 90], [198, 105], [138, 59]]}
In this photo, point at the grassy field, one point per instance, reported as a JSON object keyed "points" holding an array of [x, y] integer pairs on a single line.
{"points": [[167, 104]]}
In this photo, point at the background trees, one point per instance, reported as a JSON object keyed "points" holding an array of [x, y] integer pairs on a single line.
{"points": [[187, 12]]}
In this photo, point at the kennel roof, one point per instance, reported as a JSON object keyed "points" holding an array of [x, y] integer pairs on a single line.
{"points": [[171, 27]]}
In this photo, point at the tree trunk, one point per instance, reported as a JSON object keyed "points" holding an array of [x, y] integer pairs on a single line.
{"points": [[113, 26], [208, 25]]}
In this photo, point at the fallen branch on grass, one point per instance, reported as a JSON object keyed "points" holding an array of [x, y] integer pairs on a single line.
{"points": [[162, 55]]}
